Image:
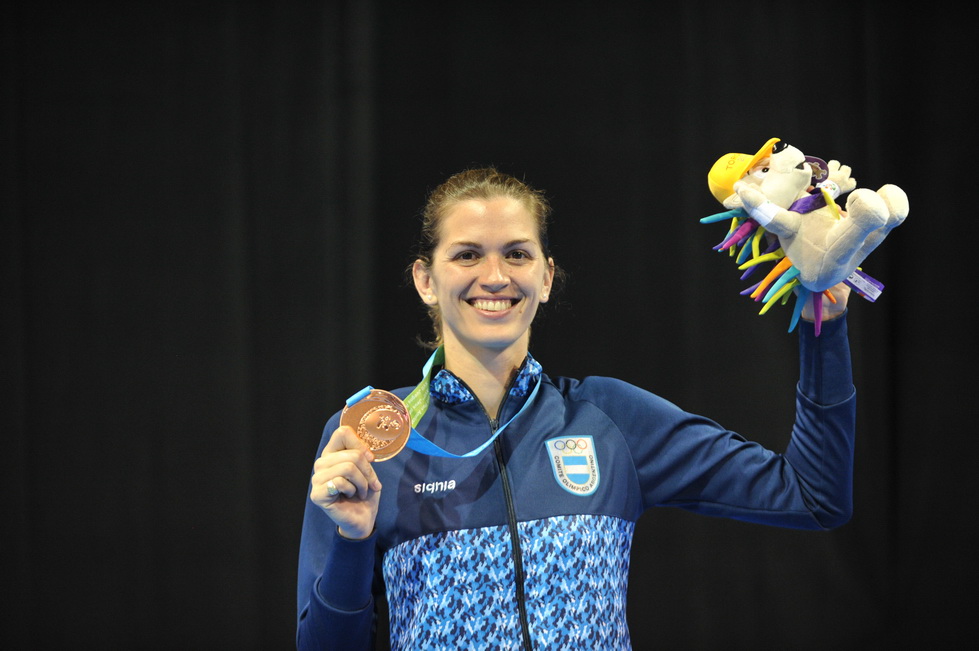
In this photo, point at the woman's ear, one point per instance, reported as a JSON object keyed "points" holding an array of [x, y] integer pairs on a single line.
{"points": [[423, 282], [545, 294]]}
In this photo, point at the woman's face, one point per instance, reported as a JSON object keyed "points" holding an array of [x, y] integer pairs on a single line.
{"points": [[488, 275]]}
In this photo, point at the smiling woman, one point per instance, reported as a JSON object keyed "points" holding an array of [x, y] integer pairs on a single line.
{"points": [[487, 276], [524, 541], [481, 185]]}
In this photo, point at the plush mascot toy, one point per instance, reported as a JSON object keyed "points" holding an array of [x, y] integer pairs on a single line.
{"points": [[782, 209]]}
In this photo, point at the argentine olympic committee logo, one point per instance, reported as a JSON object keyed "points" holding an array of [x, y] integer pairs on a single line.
{"points": [[575, 463]]}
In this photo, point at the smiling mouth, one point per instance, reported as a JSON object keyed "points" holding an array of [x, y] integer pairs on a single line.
{"points": [[495, 305]]}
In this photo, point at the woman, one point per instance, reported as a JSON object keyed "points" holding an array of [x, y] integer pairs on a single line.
{"points": [[526, 545]]}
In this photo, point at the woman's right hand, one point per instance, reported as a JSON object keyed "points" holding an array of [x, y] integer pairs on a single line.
{"points": [[345, 468]]}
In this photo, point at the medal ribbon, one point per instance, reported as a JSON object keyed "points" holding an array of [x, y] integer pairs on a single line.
{"points": [[417, 403]]}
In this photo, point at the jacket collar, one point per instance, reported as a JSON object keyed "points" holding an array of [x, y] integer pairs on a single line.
{"points": [[448, 388]]}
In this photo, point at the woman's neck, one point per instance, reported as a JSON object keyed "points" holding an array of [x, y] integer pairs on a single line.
{"points": [[486, 372]]}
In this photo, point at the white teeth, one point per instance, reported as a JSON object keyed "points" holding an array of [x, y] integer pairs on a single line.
{"points": [[491, 306]]}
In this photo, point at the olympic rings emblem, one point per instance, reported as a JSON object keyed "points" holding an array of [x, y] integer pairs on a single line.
{"points": [[572, 445]]}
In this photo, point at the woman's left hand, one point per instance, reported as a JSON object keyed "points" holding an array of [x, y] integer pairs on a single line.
{"points": [[831, 310]]}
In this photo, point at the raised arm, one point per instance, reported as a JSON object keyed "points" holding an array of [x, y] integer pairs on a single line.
{"points": [[337, 550]]}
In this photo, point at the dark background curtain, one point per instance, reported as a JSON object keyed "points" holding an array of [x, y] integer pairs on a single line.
{"points": [[207, 209]]}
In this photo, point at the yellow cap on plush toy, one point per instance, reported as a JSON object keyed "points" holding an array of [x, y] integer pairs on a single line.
{"points": [[729, 169]]}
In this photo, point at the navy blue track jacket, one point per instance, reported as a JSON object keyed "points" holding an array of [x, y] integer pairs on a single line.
{"points": [[527, 545]]}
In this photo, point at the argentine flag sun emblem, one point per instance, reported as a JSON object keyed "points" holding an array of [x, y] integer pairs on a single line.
{"points": [[575, 463]]}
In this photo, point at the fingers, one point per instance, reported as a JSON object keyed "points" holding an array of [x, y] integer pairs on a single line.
{"points": [[841, 293], [832, 306], [346, 447], [344, 469], [836, 167], [350, 466], [344, 438], [328, 491], [840, 175]]}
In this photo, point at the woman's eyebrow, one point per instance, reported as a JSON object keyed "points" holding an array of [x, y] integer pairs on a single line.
{"points": [[475, 245], [464, 243]]}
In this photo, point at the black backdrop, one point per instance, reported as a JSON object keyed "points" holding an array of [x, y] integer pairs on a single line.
{"points": [[207, 209]]}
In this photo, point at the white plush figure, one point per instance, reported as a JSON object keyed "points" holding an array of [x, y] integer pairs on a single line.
{"points": [[782, 192]]}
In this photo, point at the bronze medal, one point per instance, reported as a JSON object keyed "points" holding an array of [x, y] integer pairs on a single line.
{"points": [[380, 420]]}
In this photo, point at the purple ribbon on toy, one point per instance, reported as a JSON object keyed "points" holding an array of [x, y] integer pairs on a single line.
{"points": [[808, 203]]}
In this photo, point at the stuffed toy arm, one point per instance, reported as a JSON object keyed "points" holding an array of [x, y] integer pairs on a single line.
{"points": [[840, 175], [779, 221]]}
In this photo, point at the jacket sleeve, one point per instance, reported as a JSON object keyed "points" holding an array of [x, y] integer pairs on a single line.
{"points": [[335, 600], [822, 444], [691, 462]]}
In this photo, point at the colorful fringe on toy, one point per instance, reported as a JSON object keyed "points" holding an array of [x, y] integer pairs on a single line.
{"points": [[744, 242]]}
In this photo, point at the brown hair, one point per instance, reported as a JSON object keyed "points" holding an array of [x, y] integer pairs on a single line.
{"points": [[482, 183]]}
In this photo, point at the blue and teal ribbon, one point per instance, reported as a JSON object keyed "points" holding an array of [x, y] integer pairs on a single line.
{"points": [[418, 401]]}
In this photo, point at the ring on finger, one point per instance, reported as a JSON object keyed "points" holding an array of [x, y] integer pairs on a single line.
{"points": [[331, 489]]}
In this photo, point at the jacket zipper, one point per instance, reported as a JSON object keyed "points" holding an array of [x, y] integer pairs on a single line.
{"points": [[518, 573]]}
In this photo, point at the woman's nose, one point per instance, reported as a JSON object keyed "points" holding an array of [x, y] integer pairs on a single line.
{"points": [[494, 276]]}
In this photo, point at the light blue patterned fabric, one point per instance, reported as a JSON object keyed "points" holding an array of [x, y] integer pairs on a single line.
{"points": [[450, 390], [576, 575], [456, 589]]}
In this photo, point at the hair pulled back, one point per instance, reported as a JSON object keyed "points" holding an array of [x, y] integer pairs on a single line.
{"points": [[484, 183]]}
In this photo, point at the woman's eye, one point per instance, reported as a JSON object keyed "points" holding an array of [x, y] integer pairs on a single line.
{"points": [[466, 256], [518, 255]]}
